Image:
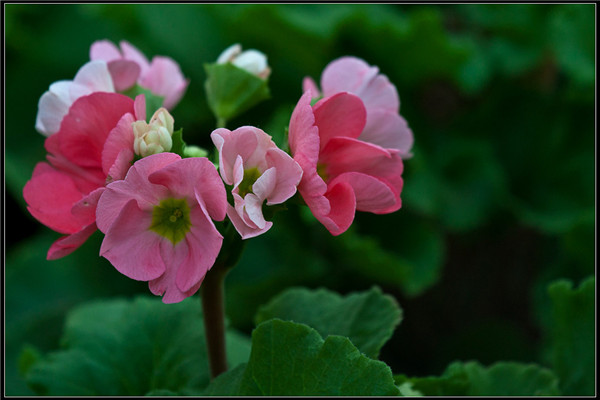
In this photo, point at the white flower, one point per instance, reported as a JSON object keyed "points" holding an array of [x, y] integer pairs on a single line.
{"points": [[251, 60]]}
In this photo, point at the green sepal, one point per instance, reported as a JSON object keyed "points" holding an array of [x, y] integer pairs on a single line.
{"points": [[231, 90], [194, 151], [178, 146], [153, 101]]}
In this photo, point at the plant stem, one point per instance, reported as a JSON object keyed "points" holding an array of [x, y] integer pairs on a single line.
{"points": [[221, 122], [213, 307]]}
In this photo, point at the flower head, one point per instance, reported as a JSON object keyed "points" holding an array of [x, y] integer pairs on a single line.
{"points": [[158, 223], [384, 125], [55, 103], [129, 66], [258, 171], [251, 60], [341, 172], [93, 146]]}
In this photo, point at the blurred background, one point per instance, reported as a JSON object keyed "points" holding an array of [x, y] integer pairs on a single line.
{"points": [[498, 201]]}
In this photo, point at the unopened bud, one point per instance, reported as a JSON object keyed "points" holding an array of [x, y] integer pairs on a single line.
{"points": [[153, 137], [252, 60]]}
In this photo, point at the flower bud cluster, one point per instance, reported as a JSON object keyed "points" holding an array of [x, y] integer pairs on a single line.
{"points": [[154, 137]]}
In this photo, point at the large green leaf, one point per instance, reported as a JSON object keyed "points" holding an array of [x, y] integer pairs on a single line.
{"points": [[120, 347], [500, 379], [368, 319], [574, 332], [290, 359]]}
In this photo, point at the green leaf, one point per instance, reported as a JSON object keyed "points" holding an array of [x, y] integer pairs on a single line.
{"points": [[368, 319], [290, 359], [178, 146], [120, 347], [500, 379], [231, 90], [574, 336], [153, 101]]}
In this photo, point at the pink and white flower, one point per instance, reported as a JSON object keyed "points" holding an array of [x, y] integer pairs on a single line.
{"points": [[158, 223], [342, 173], [384, 125], [129, 66], [93, 146], [55, 103], [258, 171]]}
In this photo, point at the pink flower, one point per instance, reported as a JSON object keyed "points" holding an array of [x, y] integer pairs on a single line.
{"points": [[258, 171], [94, 145], [384, 126], [55, 103], [158, 223], [341, 172], [129, 66]]}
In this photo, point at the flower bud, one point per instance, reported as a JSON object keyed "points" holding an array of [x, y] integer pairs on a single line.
{"points": [[252, 60], [153, 137]]}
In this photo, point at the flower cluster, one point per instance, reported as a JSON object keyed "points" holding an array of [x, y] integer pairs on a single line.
{"points": [[163, 211]]}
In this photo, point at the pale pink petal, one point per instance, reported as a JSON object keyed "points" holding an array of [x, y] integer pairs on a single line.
{"points": [[68, 244], [51, 110], [289, 174], [380, 94], [139, 105], [50, 195], [309, 85], [303, 134], [389, 130], [204, 243], [165, 79], [131, 247], [95, 76], [243, 229], [133, 54], [194, 177], [121, 166], [218, 137], [342, 114], [120, 137], [124, 73], [372, 194], [104, 50], [87, 125], [253, 208], [265, 184], [346, 74]]}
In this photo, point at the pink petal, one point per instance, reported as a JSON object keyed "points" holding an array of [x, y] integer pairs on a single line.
{"points": [[124, 73], [309, 85], [131, 247], [380, 94], [243, 229], [50, 195], [342, 205], [253, 208], [139, 105], [342, 114], [68, 244], [346, 74], [85, 209], [265, 184], [121, 166], [51, 110], [194, 177], [120, 137], [289, 174], [87, 125], [104, 50], [133, 54], [165, 79], [303, 134], [204, 243], [389, 130]]}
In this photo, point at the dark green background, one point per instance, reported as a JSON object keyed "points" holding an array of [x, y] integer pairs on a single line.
{"points": [[498, 201]]}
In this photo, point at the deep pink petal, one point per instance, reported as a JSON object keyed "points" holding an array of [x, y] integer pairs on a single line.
{"points": [[194, 177], [389, 130], [304, 135], [131, 247], [85, 128], [124, 73], [68, 244], [120, 137], [50, 195], [342, 206], [85, 209], [342, 114], [372, 194]]}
